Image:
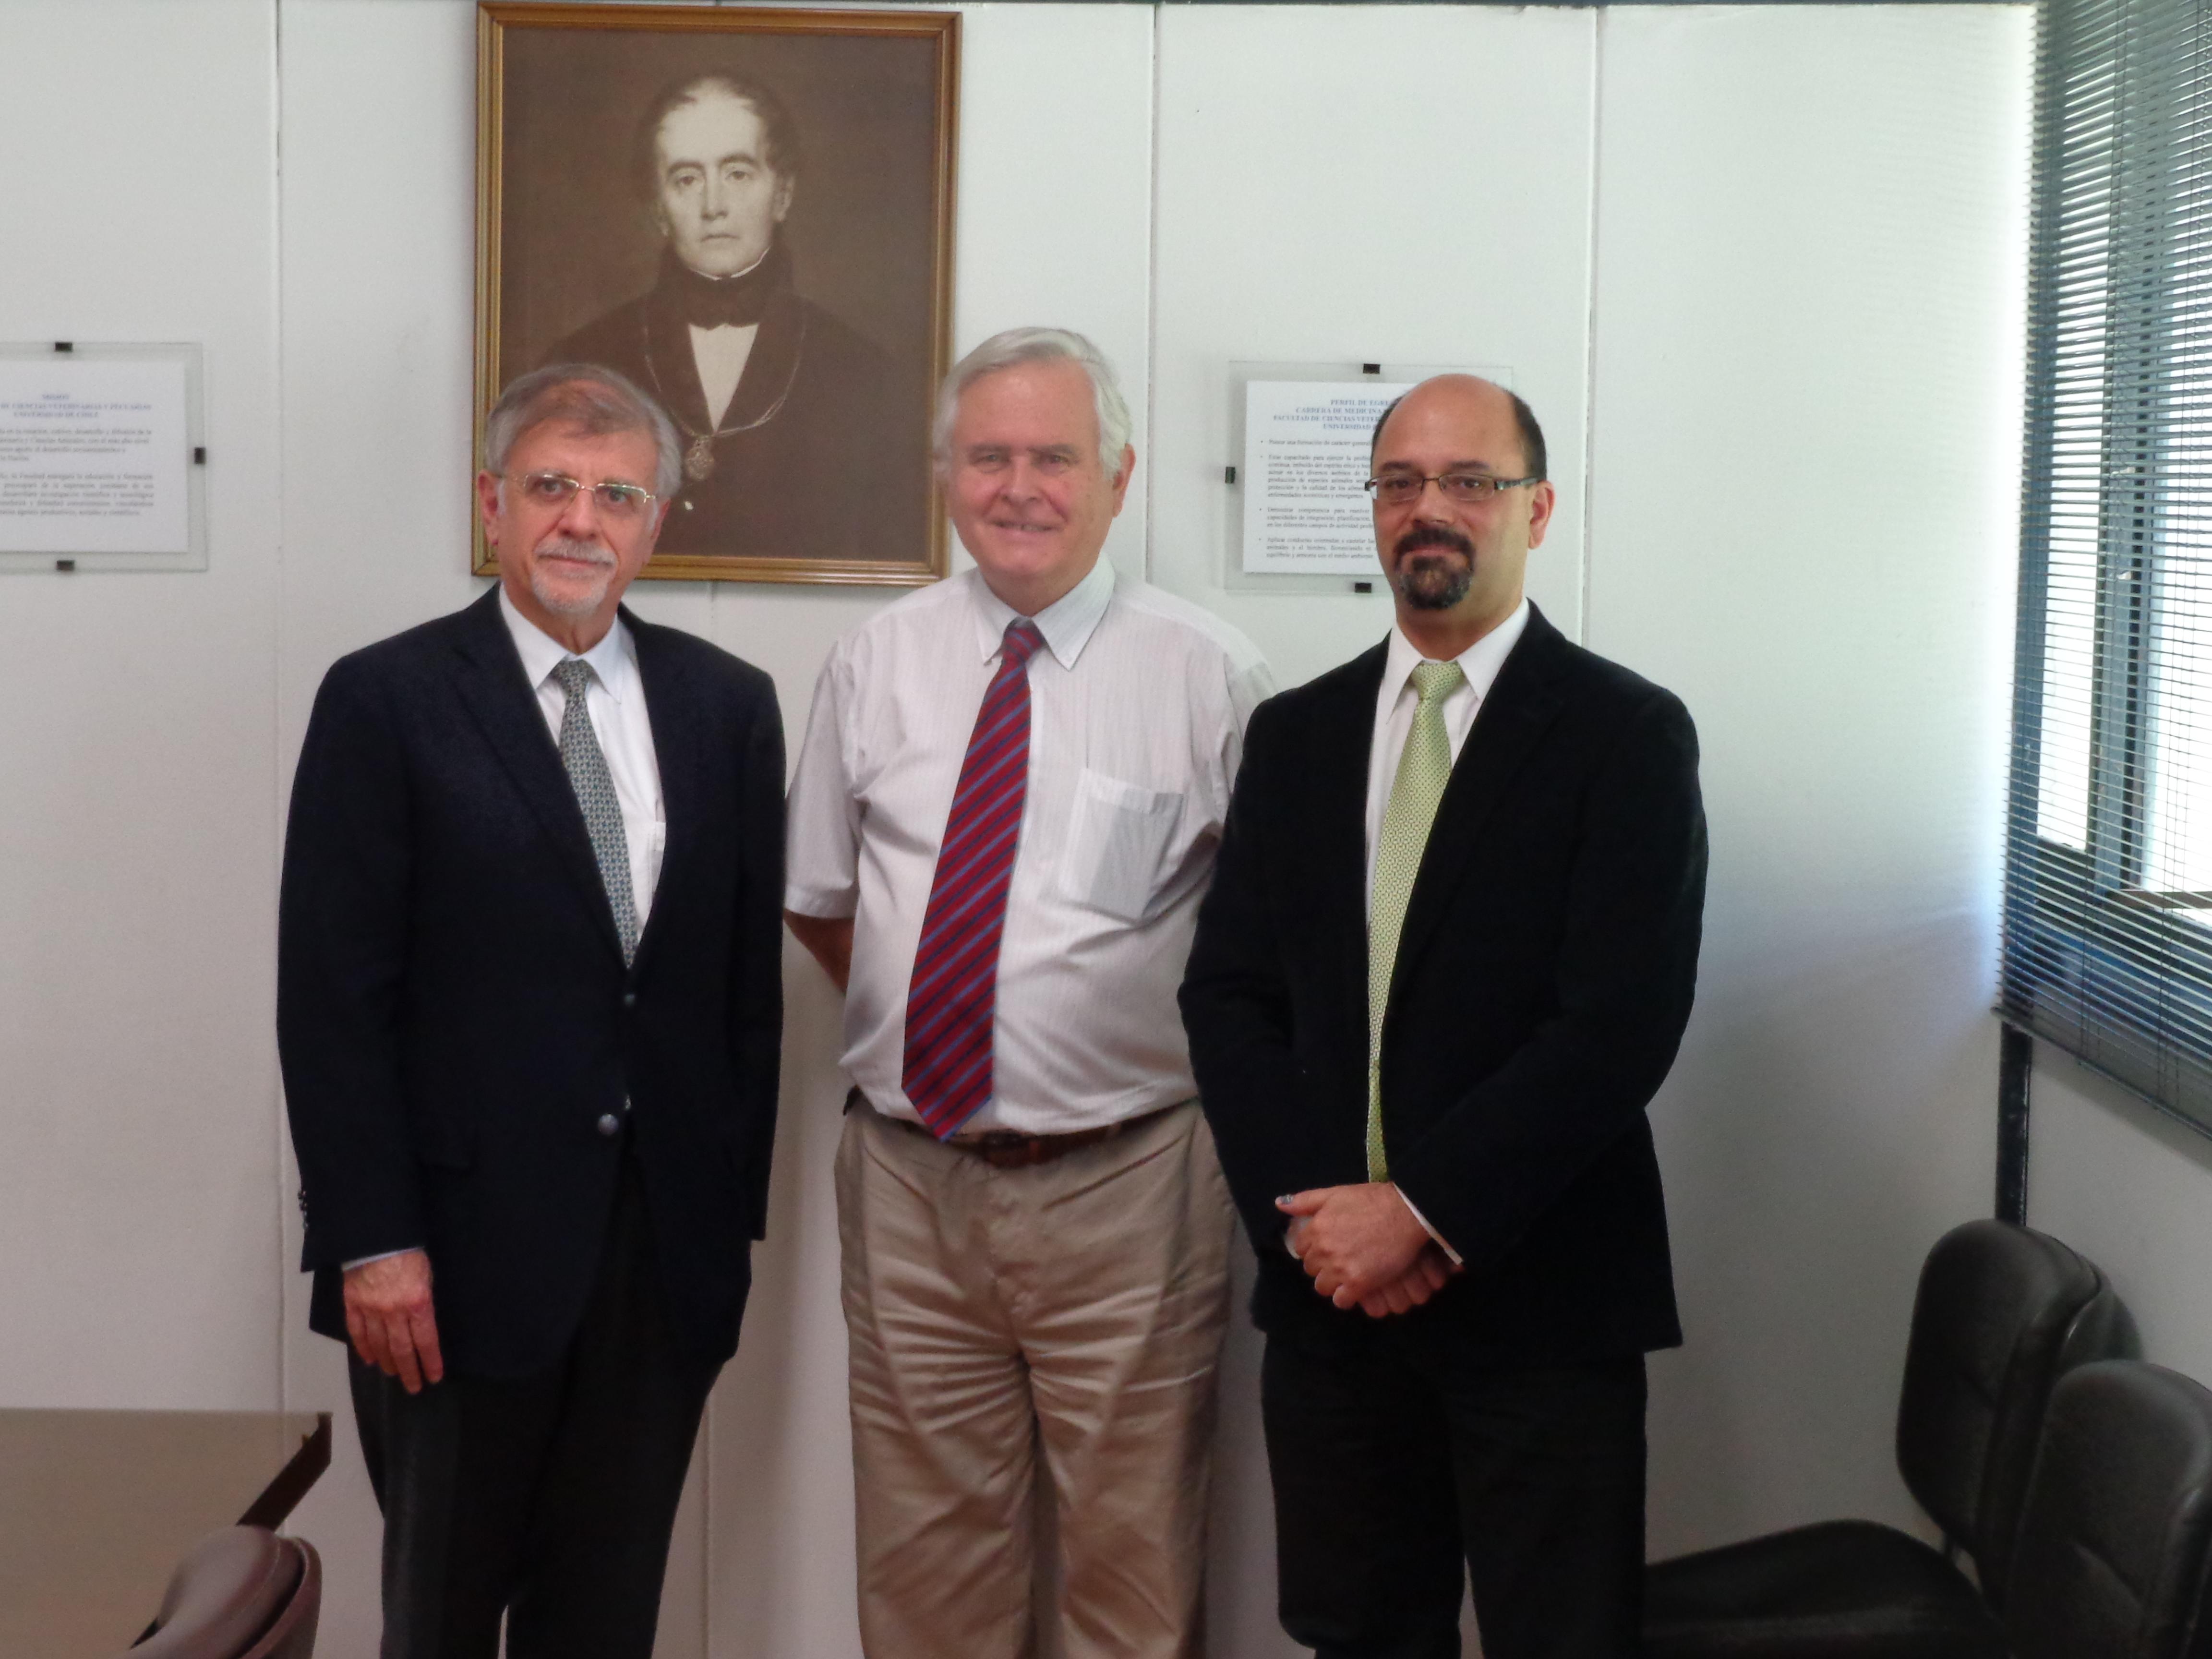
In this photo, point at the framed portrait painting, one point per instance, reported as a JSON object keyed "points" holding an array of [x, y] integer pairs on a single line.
{"points": [[748, 212]]}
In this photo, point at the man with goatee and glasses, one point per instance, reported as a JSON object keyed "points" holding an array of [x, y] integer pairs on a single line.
{"points": [[1446, 963]]}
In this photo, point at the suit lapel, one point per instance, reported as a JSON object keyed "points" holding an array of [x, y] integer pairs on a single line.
{"points": [[668, 353], [1521, 703], [1344, 735], [497, 695], [772, 365], [670, 708]]}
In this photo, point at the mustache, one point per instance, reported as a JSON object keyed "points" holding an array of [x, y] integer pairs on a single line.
{"points": [[566, 547], [1433, 535]]}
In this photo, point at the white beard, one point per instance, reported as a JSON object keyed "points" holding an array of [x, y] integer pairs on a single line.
{"points": [[572, 604]]}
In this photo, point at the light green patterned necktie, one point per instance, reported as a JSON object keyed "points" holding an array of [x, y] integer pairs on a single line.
{"points": [[1424, 767]]}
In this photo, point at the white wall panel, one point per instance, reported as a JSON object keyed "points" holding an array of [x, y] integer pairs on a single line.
{"points": [[1806, 437], [2132, 1191], [379, 273], [1363, 184], [138, 1195]]}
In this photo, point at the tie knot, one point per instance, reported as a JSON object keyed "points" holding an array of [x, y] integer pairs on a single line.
{"points": [[1437, 680], [1020, 643], [575, 675]]}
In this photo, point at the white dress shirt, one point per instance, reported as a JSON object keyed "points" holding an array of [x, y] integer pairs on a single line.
{"points": [[1137, 709], [1394, 704], [615, 706], [720, 354]]}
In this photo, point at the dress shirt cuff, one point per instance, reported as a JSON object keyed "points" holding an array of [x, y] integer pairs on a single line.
{"points": [[387, 1255], [1427, 1229], [822, 903]]}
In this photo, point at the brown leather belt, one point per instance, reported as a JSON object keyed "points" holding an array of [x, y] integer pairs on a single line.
{"points": [[1009, 1149]]}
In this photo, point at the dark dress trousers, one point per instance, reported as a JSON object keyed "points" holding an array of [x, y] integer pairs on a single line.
{"points": [[823, 451], [1544, 977], [469, 1067]]}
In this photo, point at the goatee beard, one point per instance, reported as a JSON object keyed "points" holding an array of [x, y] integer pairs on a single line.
{"points": [[1432, 584], [571, 603]]}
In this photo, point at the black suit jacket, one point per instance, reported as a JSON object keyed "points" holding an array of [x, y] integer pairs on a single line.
{"points": [[824, 451], [454, 1015], [1544, 976]]}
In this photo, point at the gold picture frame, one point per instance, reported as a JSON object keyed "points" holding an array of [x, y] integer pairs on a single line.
{"points": [[630, 159]]}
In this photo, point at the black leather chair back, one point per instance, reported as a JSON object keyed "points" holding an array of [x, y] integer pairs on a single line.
{"points": [[2002, 1312], [2111, 1554]]}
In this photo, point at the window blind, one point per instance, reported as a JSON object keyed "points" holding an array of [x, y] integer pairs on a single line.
{"points": [[2108, 905]]}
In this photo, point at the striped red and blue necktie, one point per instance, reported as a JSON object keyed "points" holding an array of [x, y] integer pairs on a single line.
{"points": [[950, 1003]]}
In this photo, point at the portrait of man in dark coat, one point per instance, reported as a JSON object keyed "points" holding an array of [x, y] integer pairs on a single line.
{"points": [[802, 439]]}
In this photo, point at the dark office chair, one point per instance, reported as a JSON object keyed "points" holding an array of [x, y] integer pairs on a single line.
{"points": [[2111, 1555], [2001, 1314], [243, 1594]]}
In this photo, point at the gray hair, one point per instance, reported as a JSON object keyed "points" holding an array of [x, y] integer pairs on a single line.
{"points": [[588, 396], [1016, 346]]}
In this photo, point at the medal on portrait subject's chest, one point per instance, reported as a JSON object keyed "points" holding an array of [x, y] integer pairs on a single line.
{"points": [[699, 453]]}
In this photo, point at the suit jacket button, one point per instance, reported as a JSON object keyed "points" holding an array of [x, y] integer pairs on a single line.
{"points": [[630, 998], [610, 1125]]}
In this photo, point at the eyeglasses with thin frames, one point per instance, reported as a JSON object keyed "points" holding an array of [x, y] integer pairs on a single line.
{"points": [[619, 502], [1467, 489]]}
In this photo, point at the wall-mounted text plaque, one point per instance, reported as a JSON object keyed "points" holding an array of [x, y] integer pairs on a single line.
{"points": [[102, 458]]}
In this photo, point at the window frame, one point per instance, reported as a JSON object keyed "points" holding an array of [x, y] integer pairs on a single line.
{"points": [[2118, 973]]}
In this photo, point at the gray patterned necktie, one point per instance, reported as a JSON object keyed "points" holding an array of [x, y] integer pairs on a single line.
{"points": [[595, 792]]}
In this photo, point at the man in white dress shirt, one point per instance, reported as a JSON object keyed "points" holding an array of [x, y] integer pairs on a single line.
{"points": [[1004, 817], [529, 1000]]}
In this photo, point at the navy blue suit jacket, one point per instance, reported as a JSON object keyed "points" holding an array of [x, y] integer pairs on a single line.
{"points": [[454, 1014]]}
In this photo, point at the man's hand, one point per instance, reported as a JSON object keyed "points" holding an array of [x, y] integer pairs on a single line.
{"points": [[388, 1309], [1362, 1247], [1431, 1271]]}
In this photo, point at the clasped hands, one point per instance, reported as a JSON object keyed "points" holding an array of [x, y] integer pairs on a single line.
{"points": [[1363, 1247], [390, 1320]]}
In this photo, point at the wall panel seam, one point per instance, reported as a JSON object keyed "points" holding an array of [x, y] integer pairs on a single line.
{"points": [[1583, 631], [1152, 297], [276, 1123]]}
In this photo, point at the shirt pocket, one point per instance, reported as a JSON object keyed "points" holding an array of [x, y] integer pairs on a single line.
{"points": [[1117, 844]]}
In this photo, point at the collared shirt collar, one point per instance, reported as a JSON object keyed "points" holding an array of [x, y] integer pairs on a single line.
{"points": [[613, 659], [1066, 623], [1479, 662]]}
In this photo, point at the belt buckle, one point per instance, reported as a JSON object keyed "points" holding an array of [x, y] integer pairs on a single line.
{"points": [[1009, 1149]]}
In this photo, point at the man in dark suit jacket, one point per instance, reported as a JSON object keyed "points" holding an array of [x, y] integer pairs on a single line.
{"points": [[528, 1009], [814, 450], [1425, 1043]]}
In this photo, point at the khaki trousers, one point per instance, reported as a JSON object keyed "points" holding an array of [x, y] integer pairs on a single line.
{"points": [[1075, 1307]]}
